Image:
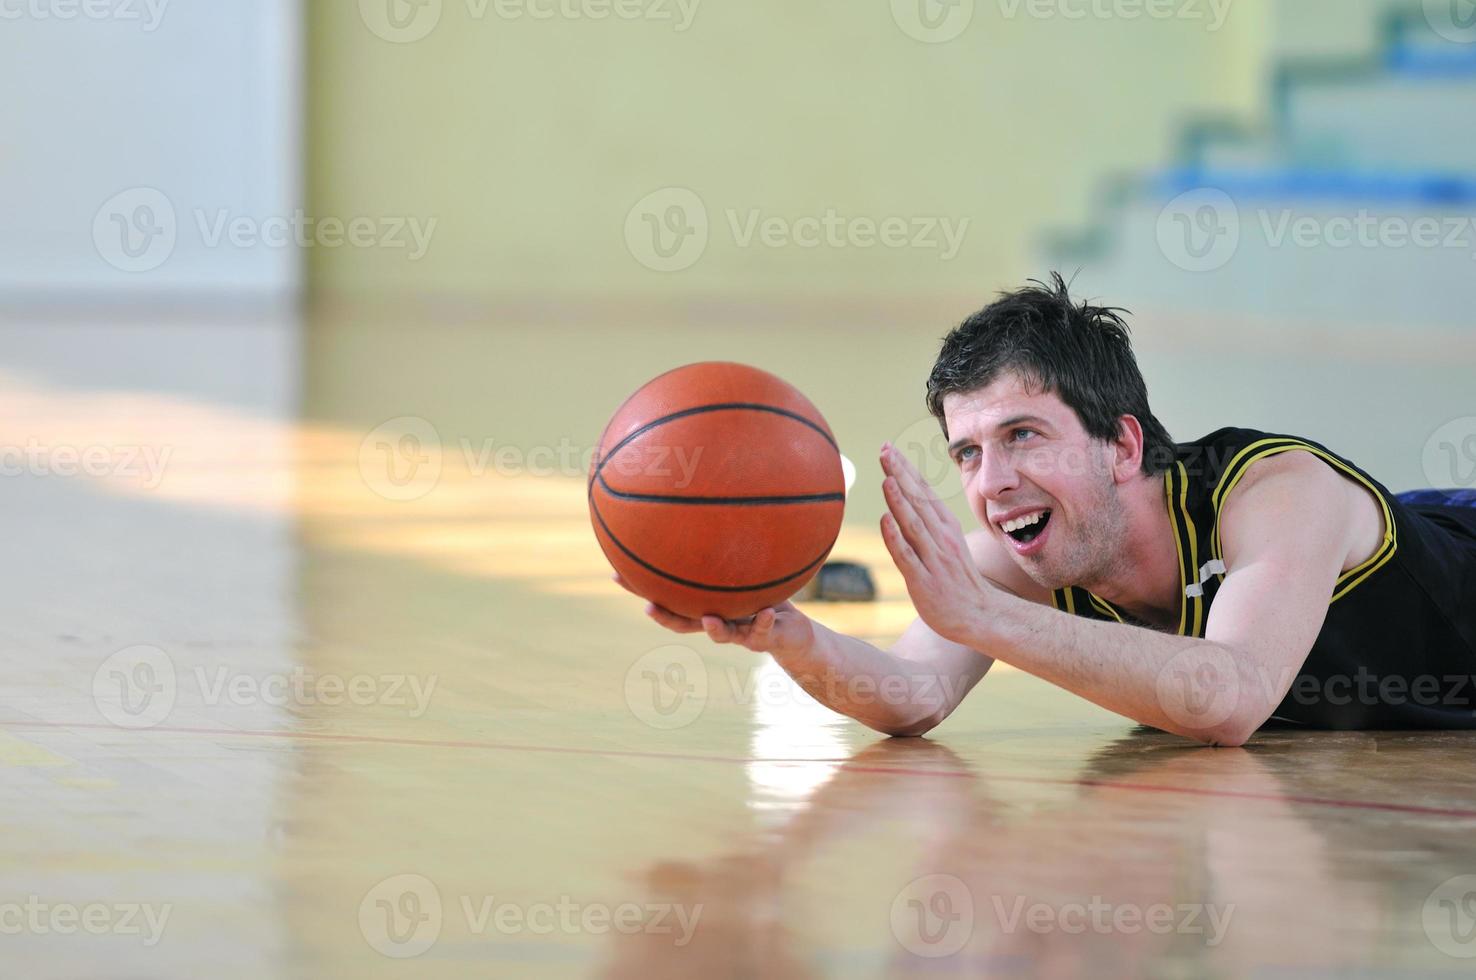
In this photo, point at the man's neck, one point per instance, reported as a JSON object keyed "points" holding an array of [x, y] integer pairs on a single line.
{"points": [[1144, 582]]}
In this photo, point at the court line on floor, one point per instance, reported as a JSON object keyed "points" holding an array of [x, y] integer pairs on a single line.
{"points": [[350, 739]]}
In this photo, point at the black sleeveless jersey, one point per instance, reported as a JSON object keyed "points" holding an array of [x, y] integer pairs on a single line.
{"points": [[1398, 646]]}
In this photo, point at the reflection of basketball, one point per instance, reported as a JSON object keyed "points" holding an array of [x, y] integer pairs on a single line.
{"points": [[717, 488]]}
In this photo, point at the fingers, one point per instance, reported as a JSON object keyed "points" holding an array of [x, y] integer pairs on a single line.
{"points": [[909, 519], [917, 490], [746, 631], [754, 634], [903, 556], [670, 620], [926, 521]]}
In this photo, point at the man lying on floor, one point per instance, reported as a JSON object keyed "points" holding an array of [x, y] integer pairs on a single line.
{"points": [[1203, 588]]}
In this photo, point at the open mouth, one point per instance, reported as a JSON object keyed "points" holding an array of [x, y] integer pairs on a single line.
{"points": [[1029, 532]]}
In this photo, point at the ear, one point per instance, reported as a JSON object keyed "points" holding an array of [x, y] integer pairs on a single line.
{"points": [[1127, 461]]}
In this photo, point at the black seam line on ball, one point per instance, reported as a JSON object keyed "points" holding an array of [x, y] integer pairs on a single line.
{"points": [[724, 407], [666, 498], [701, 585]]}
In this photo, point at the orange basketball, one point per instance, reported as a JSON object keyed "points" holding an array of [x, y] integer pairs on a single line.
{"points": [[717, 488]]}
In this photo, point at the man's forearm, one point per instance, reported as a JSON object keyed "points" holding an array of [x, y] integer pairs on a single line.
{"points": [[875, 687], [1180, 684]]}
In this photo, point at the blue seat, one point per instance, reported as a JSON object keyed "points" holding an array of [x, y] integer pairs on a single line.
{"points": [[1459, 497]]}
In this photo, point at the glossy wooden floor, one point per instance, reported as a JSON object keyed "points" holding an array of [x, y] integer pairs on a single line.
{"points": [[283, 706]]}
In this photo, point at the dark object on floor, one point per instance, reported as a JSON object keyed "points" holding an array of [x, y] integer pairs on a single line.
{"points": [[840, 581]]}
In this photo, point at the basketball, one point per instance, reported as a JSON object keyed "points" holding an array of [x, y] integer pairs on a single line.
{"points": [[717, 488]]}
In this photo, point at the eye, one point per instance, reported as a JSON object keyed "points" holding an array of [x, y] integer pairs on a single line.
{"points": [[963, 453], [1016, 432]]}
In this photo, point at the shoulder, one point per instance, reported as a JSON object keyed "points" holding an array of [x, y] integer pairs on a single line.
{"points": [[991, 558], [1291, 489], [1294, 470]]}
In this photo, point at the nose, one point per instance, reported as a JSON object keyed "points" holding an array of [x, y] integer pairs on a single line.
{"points": [[997, 474]]}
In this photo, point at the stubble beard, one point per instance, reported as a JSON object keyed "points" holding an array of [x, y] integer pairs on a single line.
{"points": [[1092, 553]]}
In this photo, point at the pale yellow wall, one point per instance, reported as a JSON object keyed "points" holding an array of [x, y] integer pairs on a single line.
{"points": [[529, 141]]}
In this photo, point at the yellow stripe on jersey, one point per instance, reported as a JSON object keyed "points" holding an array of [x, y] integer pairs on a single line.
{"points": [[1271, 447]]}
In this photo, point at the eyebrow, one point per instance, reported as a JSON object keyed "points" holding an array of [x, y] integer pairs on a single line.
{"points": [[1008, 423]]}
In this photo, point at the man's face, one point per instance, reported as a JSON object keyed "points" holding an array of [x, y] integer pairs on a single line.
{"points": [[1024, 455]]}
